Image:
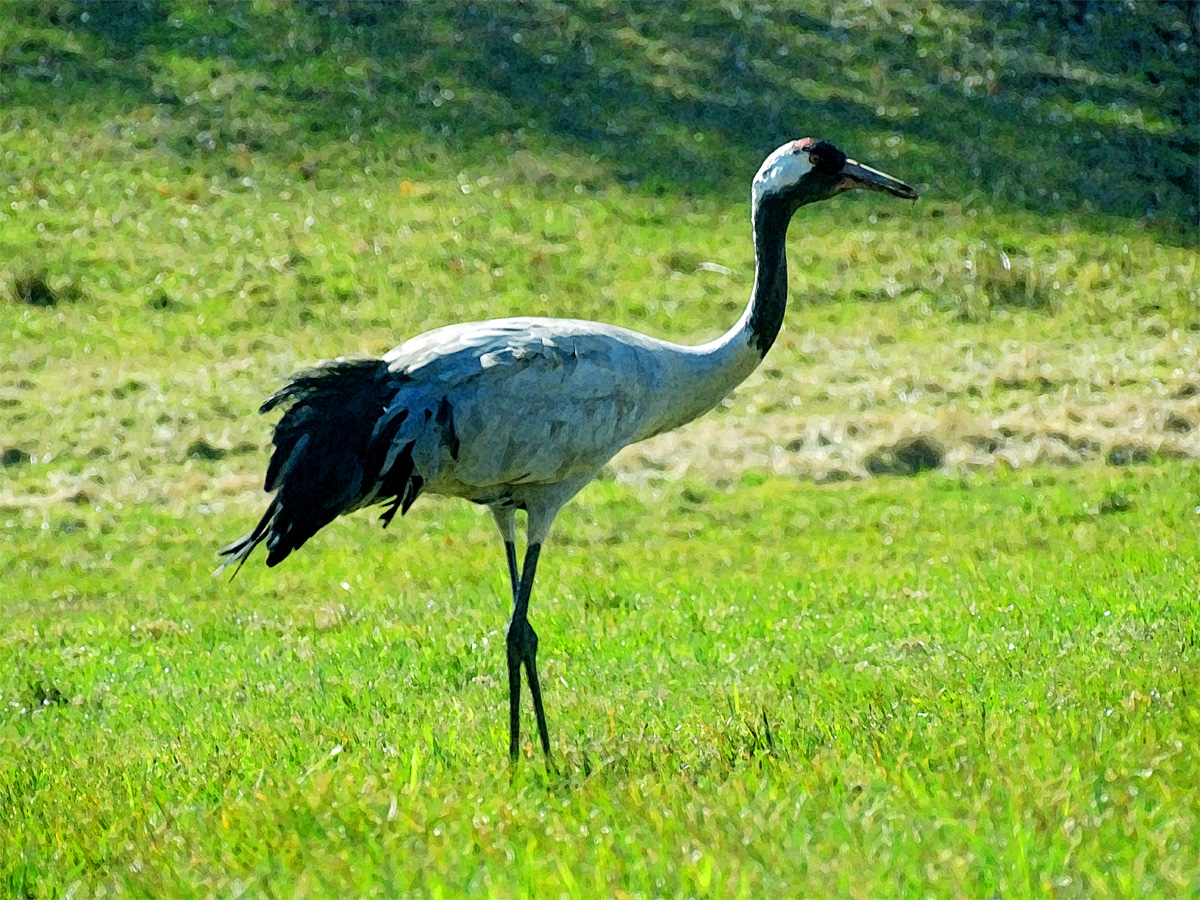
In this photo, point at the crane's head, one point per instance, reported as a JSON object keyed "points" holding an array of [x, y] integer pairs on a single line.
{"points": [[809, 170]]}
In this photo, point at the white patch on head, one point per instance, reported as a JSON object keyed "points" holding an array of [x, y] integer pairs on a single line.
{"points": [[781, 170]]}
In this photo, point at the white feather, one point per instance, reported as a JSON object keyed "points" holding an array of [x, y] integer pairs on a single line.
{"points": [[783, 168]]}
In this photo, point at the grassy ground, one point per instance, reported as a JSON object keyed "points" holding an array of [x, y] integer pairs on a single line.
{"points": [[774, 666], [936, 685]]}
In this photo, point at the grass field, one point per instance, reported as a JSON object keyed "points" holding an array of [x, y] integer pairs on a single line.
{"points": [[915, 613]]}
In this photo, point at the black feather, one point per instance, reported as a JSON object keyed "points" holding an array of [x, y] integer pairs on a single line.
{"points": [[395, 481], [390, 512], [321, 451], [339, 399], [329, 456], [380, 444], [241, 548], [411, 493], [445, 421]]}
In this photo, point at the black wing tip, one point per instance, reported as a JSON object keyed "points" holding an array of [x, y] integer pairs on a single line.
{"points": [[305, 382], [390, 513], [238, 552], [411, 493]]}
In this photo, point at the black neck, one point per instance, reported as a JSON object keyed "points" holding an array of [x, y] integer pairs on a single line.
{"points": [[769, 300]]}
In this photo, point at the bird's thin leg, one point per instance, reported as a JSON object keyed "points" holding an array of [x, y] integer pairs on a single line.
{"points": [[535, 689], [514, 699], [531, 646], [514, 577], [506, 521], [522, 650]]}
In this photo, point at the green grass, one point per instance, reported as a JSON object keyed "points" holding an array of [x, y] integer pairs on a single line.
{"points": [[932, 685], [768, 672]]}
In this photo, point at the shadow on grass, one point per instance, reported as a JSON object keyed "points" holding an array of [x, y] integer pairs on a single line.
{"points": [[1053, 109]]}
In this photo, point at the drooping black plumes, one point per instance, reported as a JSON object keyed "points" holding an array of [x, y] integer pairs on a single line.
{"points": [[325, 458]]}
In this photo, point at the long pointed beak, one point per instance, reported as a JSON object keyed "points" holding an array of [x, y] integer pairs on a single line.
{"points": [[856, 175]]}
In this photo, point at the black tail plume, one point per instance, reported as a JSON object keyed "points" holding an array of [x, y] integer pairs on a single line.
{"points": [[322, 453], [240, 549]]}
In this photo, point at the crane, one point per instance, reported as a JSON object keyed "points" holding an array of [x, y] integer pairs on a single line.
{"points": [[519, 414]]}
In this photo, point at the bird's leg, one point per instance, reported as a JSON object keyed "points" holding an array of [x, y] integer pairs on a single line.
{"points": [[514, 577], [514, 697], [522, 645], [535, 688], [506, 521], [528, 653]]}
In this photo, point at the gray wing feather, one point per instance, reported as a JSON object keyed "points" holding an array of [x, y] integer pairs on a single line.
{"points": [[534, 400]]}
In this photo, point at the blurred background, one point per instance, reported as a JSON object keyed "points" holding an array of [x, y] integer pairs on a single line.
{"points": [[1075, 106], [201, 198]]}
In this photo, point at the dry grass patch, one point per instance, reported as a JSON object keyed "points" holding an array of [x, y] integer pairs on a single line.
{"points": [[899, 442]]}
